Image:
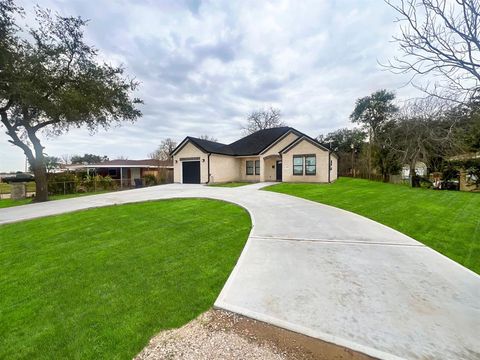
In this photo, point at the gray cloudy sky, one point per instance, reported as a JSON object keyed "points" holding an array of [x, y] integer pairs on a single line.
{"points": [[204, 65]]}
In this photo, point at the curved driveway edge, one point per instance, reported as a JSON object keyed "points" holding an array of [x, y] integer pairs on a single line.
{"points": [[330, 274]]}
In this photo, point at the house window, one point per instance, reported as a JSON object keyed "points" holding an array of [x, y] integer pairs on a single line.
{"points": [[310, 165], [112, 172], [298, 165], [309, 161], [249, 167], [257, 167]]}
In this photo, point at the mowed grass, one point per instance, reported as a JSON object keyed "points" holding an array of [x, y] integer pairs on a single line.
{"points": [[447, 221], [98, 284], [231, 184]]}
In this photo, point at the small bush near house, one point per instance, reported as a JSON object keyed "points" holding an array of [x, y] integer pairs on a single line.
{"points": [[88, 183], [97, 182], [104, 183], [62, 183], [151, 180]]}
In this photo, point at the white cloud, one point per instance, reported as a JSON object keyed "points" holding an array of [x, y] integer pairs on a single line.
{"points": [[204, 65]]}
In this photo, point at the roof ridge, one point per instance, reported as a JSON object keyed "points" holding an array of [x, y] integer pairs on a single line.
{"points": [[210, 141]]}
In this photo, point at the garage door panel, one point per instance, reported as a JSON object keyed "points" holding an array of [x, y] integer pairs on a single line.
{"points": [[191, 172]]}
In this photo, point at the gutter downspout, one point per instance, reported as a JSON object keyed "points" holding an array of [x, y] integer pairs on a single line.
{"points": [[208, 165]]}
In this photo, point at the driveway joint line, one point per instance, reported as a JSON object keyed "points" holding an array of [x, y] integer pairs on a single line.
{"points": [[335, 241]]}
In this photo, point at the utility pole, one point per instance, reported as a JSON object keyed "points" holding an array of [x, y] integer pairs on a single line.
{"points": [[353, 159], [370, 153]]}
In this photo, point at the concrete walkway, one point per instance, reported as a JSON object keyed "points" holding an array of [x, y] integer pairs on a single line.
{"points": [[330, 274]]}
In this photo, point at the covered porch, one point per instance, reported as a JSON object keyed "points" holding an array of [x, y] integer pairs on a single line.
{"points": [[272, 168], [260, 168]]}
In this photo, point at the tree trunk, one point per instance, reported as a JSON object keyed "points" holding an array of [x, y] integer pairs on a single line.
{"points": [[41, 184], [370, 153], [413, 175], [39, 168], [386, 177]]}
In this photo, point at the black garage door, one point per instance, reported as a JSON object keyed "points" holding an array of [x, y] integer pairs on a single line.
{"points": [[191, 172]]}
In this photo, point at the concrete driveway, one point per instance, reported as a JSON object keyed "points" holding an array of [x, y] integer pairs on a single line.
{"points": [[330, 274]]}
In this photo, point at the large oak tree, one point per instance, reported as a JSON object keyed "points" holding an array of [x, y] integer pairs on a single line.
{"points": [[51, 81]]}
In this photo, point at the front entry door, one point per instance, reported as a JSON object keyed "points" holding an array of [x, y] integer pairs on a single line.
{"points": [[278, 167]]}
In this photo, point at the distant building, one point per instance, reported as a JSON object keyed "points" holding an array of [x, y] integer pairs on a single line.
{"points": [[420, 170], [127, 171]]}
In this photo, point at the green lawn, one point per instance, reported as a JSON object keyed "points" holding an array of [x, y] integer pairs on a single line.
{"points": [[98, 284], [447, 221], [9, 202], [231, 184]]}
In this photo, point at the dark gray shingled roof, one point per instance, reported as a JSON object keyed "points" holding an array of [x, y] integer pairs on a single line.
{"points": [[210, 146], [252, 144], [255, 143]]}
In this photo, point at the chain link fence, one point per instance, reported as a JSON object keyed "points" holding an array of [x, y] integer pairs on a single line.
{"points": [[83, 186]]}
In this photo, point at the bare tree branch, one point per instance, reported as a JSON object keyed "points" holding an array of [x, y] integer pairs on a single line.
{"points": [[263, 119], [439, 39]]}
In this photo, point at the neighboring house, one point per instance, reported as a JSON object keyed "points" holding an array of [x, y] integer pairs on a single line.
{"points": [[128, 170], [468, 181], [277, 154], [420, 170]]}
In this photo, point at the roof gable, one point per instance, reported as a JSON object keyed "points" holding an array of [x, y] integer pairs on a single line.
{"points": [[303, 138], [255, 143], [184, 142]]}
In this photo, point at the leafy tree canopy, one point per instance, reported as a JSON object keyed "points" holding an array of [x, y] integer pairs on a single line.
{"points": [[374, 110], [342, 140], [88, 159], [51, 81]]}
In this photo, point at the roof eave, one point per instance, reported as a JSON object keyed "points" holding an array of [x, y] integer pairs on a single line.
{"points": [[184, 143], [300, 139], [277, 140]]}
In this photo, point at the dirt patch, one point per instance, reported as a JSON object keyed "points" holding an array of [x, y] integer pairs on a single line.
{"points": [[218, 334]]}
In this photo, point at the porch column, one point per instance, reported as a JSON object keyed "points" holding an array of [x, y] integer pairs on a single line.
{"points": [[262, 169]]}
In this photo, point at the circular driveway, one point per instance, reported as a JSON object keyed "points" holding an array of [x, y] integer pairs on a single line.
{"points": [[330, 274]]}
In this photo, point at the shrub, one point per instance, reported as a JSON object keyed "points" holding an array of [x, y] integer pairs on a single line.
{"points": [[150, 180], [97, 182], [88, 183], [425, 183], [104, 183], [62, 183]]}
